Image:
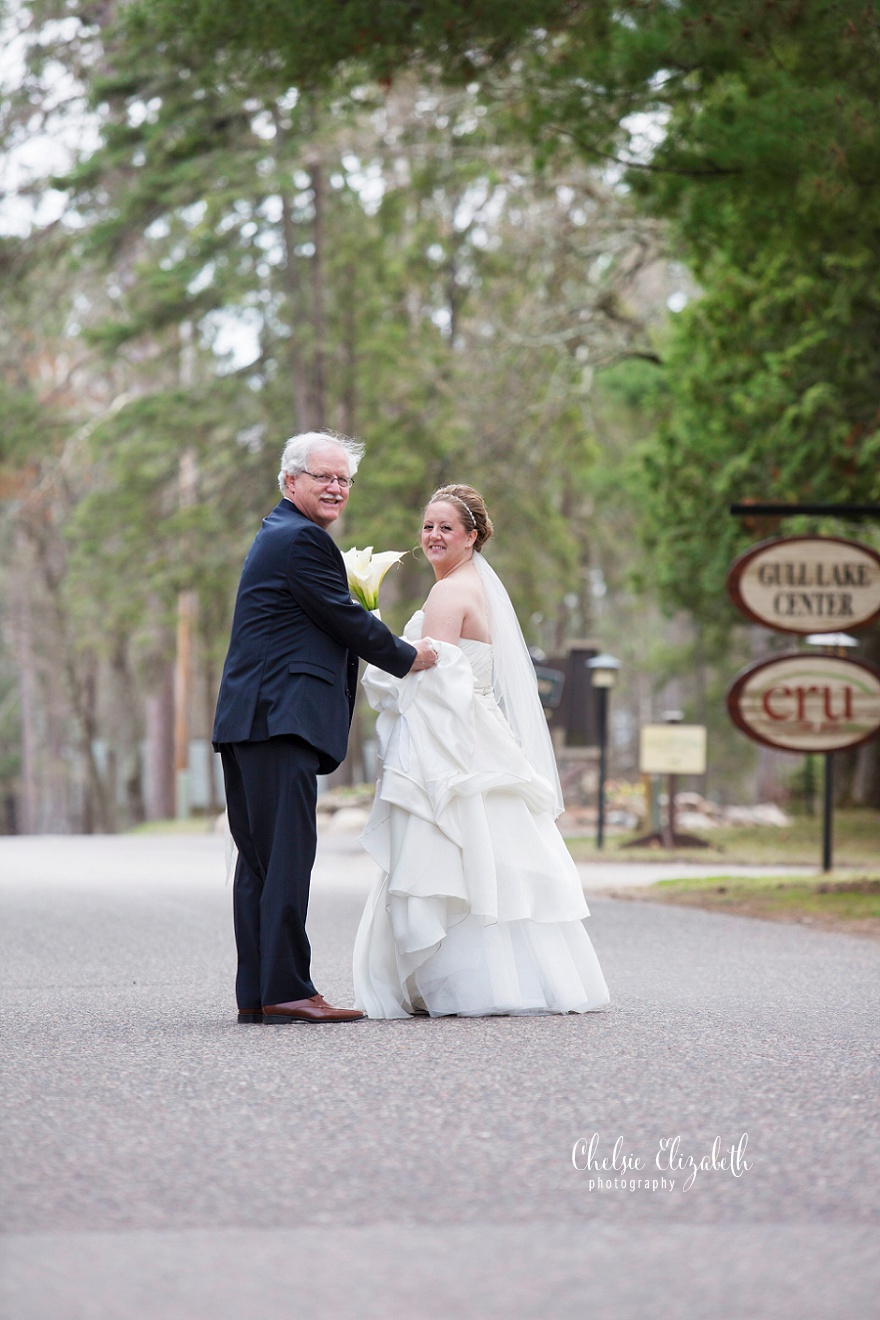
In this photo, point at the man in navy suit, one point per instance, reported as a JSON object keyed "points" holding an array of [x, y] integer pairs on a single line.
{"points": [[283, 715]]}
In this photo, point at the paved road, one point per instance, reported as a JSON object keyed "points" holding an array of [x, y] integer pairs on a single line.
{"points": [[163, 1163]]}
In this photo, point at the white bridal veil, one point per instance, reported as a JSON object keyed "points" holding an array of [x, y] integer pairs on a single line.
{"points": [[516, 690]]}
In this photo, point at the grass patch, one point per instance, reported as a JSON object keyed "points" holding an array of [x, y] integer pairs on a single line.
{"points": [[834, 902], [856, 844]]}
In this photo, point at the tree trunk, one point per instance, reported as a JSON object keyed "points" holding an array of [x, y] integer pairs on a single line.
{"points": [[159, 722], [187, 601], [215, 806], [26, 817], [128, 733], [99, 815], [301, 395], [349, 392], [80, 676], [187, 607], [319, 328]]}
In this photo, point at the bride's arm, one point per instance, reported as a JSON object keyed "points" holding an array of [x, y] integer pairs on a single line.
{"points": [[445, 609]]}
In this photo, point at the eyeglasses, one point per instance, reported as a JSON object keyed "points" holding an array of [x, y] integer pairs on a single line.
{"points": [[328, 478]]}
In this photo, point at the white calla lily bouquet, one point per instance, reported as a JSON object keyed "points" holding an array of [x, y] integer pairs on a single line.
{"points": [[365, 572]]}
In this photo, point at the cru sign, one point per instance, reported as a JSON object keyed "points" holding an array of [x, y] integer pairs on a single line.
{"points": [[807, 703], [807, 584]]}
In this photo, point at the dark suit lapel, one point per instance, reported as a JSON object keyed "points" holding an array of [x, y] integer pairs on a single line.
{"points": [[288, 507]]}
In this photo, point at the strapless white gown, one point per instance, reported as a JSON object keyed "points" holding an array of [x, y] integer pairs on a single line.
{"points": [[479, 908]]}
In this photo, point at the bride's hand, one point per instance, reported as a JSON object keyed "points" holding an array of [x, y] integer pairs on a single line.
{"points": [[427, 652]]}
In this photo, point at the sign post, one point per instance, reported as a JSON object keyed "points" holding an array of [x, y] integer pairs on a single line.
{"points": [[828, 812], [603, 676], [671, 749]]}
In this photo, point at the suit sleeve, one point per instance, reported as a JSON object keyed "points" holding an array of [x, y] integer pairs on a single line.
{"points": [[317, 583]]}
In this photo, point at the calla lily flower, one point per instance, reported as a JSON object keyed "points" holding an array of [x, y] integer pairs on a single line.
{"points": [[365, 573]]}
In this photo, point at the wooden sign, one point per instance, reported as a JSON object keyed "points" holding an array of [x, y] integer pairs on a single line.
{"points": [[672, 749], [805, 702], [807, 584]]}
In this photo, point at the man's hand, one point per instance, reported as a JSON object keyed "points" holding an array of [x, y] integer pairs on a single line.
{"points": [[426, 654]]}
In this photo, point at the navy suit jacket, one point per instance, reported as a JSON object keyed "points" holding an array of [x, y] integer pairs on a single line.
{"points": [[296, 635]]}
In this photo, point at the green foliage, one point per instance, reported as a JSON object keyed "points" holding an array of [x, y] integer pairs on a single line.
{"points": [[134, 545], [773, 383], [451, 354], [766, 170], [21, 427], [422, 220], [304, 43], [754, 129]]}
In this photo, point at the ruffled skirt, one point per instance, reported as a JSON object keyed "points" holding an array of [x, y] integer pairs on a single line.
{"points": [[479, 907]]}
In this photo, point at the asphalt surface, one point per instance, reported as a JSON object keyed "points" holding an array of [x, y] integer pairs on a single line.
{"points": [[161, 1161]]}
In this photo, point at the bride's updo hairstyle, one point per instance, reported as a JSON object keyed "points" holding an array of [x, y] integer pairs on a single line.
{"points": [[473, 510]]}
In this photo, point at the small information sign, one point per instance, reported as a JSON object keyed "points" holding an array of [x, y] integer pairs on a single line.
{"points": [[672, 749]]}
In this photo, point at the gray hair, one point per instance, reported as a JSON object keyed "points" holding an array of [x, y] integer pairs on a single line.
{"points": [[298, 449]]}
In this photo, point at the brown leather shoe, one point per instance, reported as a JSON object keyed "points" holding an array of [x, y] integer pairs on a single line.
{"points": [[250, 1015], [314, 1010]]}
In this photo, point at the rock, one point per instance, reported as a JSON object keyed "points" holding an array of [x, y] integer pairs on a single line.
{"points": [[767, 813], [693, 820], [738, 816], [696, 802]]}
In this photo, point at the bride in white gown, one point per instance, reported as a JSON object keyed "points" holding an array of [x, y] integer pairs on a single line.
{"points": [[479, 908]]}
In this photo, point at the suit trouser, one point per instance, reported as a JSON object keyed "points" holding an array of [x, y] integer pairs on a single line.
{"points": [[271, 796]]}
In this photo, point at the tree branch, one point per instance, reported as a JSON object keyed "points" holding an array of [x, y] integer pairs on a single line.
{"points": [[714, 172]]}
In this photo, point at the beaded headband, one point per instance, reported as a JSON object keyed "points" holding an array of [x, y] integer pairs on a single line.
{"points": [[442, 494]]}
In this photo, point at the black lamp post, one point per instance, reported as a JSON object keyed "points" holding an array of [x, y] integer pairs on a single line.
{"points": [[603, 675]]}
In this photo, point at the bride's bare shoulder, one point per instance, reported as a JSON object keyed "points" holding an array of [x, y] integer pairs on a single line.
{"points": [[458, 587], [446, 589]]}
